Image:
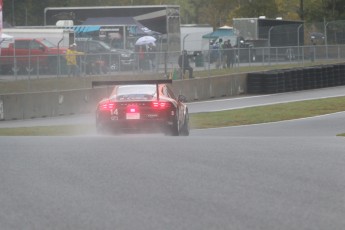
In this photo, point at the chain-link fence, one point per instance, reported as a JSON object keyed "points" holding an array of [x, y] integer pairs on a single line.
{"points": [[300, 43], [19, 67]]}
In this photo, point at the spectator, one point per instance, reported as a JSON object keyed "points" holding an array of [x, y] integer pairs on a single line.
{"points": [[218, 53], [71, 58], [213, 51], [222, 54], [229, 52], [141, 54], [151, 52], [183, 63]]}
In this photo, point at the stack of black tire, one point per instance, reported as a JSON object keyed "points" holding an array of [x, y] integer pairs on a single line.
{"points": [[286, 80]]}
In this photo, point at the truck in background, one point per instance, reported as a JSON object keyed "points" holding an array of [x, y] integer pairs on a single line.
{"points": [[32, 55], [191, 38]]}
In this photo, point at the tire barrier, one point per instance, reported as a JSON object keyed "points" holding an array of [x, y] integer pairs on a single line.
{"points": [[286, 80]]}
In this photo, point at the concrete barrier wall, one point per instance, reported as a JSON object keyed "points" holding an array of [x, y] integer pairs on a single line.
{"points": [[211, 87], [60, 103]]}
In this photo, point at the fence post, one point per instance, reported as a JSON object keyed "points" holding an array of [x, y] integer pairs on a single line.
{"points": [[165, 63]]}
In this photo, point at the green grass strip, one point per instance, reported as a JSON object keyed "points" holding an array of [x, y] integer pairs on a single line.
{"points": [[268, 113], [60, 130]]}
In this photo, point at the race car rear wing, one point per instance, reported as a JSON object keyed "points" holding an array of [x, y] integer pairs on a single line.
{"points": [[137, 82]]}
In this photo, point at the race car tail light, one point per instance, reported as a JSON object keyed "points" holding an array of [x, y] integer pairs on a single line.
{"points": [[160, 104], [107, 105]]}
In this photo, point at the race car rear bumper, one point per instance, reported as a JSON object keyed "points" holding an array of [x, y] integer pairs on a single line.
{"points": [[147, 125]]}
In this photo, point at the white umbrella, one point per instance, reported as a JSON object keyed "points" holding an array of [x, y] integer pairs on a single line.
{"points": [[145, 40]]}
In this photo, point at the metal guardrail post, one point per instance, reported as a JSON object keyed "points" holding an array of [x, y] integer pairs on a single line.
{"points": [[58, 71], [298, 41], [165, 64], [269, 44]]}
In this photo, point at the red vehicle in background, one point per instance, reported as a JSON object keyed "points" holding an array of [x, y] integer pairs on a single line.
{"points": [[35, 56]]}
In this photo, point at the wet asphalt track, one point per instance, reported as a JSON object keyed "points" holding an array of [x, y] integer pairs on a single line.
{"points": [[284, 175]]}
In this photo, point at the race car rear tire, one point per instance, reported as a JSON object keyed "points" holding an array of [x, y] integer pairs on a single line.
{"points": [[174, 130], [185, 127]]}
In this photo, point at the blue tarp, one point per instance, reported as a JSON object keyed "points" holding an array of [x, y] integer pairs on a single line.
{"points": [[85, 29], [135, 27], [219, 33]]}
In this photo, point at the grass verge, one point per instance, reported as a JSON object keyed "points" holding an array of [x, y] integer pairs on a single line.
{"points": [[246, 116], [60, 130], [269, 113]]}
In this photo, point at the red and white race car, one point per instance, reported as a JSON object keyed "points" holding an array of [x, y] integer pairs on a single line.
{"points": [[142, 106]]}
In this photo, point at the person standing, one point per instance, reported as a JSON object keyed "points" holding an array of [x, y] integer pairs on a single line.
{"points": [[141, 54], [218, 47], [71, 58], [183, 63], [151, 52], [222, 53], [229, 54]]}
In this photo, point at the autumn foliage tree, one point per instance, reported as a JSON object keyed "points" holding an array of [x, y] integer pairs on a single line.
{"points": [[214, 12]]}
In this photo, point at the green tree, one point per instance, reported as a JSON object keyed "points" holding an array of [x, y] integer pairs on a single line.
{"points": [[28, 12], [288, 9], [213, 12], [319, 10], [256, 8], [335, 9]]}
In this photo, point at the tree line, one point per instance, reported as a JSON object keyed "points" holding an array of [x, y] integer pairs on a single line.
{"points": [[214, 12]]}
